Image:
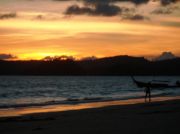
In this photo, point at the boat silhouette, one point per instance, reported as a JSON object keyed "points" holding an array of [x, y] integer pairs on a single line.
{"points": [[178, 83], [161, 84]]}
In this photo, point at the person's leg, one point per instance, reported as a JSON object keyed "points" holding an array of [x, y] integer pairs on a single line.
{"points": [[145, 96], [148, 98]]}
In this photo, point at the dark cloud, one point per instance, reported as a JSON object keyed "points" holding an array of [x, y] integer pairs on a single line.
{"points": [[105, 8], [135, 17], [136, 2], [166, 10], [139, 2], [75, 9], [98, 9], [7, 56], [109, 8], [93, 2], [8, 15], [167, 2], [162, 11]]}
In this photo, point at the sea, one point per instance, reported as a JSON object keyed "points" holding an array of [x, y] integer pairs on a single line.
{"points": [[24, 91]]}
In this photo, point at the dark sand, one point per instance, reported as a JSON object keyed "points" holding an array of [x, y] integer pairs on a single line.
{"points": [[150, 118]]}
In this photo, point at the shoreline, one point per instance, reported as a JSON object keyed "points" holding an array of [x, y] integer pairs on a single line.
{"points": [[23, 111], [157, 117], [75, 101]]}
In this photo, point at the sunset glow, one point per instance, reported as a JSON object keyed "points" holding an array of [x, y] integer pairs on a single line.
{"points": [[30, 32]]}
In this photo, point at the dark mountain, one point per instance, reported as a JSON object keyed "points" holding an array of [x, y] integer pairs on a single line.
{"points": [[119, 65]]}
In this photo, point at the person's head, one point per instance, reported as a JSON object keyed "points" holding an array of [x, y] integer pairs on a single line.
{"points": [[149, 84]]}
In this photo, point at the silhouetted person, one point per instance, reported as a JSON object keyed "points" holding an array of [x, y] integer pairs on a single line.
{"points": [[148, 92], [178, 83]]}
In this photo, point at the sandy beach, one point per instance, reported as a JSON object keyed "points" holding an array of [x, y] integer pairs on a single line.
{"points": [[158, 117]]}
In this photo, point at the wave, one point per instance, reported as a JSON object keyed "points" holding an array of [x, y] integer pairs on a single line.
{"points": [[68, 101], [74, 101]]}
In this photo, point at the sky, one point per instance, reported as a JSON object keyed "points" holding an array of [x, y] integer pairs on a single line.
{"points": [[33, 29]]}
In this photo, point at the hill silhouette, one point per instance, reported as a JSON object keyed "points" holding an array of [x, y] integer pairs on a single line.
{"points": [[118, 65]]}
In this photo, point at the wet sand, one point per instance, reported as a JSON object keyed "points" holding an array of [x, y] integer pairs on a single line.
{"points": [[162, 116]]}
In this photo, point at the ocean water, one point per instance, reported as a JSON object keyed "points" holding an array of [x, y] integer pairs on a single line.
{"points": [[19, 91]]}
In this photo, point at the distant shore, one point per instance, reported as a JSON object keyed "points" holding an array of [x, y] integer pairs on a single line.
{"points": [[161, 116], [122, 65]]}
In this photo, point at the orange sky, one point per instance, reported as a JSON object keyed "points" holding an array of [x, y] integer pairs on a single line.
{"points": [[38, 32]]}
